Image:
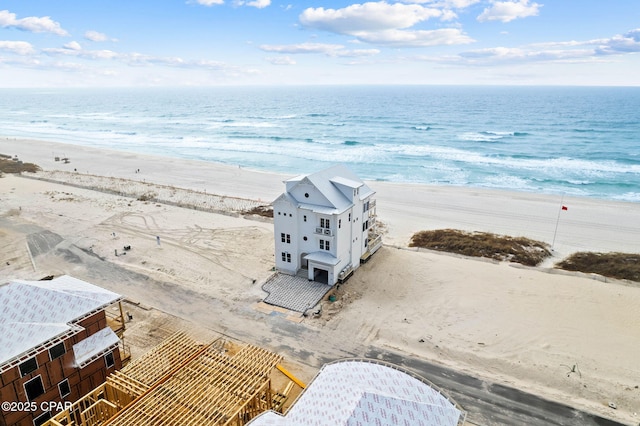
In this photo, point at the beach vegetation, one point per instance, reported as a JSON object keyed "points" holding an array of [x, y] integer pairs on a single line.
{"points": [[483, 244], [265, 211], [10, 164], [147, 196], [622, 266]]}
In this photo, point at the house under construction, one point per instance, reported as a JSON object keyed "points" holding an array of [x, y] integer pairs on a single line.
{"points": [[182, 382]]}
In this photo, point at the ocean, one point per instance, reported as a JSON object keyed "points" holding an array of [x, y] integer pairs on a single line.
{"points": [[579, 141]]}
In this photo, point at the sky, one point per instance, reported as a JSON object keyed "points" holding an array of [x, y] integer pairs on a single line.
{"points": [[169, 43]]}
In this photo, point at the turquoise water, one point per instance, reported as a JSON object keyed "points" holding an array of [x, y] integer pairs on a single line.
{"points": [[573, 140]]}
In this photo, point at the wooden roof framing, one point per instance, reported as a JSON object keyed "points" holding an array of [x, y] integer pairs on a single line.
{"points": [[211, 389], [186, 383], [159, 361]]}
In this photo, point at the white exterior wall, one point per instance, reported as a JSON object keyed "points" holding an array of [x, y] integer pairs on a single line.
{"points": [[343, 242], [285, 217], [356, 241], [306, 229], [364, 217]]}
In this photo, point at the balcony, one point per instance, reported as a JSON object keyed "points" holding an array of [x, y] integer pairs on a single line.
{"points": [[371, 213], [324, 231], [374, 243]]}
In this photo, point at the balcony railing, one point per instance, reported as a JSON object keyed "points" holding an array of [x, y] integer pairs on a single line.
{"points": [[324, 231]]}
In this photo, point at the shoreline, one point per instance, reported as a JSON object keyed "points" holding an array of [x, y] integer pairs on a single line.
{"points": [[517, 326], [404, 208], [55, 147]]}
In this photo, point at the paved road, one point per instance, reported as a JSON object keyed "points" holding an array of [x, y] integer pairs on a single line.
{"points": [[492, 404]]}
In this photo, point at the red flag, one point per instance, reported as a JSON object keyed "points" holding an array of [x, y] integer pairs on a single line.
{"points": [[565, 208]]}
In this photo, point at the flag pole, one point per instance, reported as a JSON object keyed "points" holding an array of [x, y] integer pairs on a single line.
{"points": [[557, 221]]}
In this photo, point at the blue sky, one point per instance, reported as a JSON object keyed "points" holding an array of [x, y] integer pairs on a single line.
{"points": [[106, 43]]}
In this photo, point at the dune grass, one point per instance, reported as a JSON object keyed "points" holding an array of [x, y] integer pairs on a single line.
{"points": [[265, 211], [623, 266], [13, 165], [483, 244]]}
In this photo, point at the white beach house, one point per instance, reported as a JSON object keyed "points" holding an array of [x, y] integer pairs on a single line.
{"points": [[324, 225]]}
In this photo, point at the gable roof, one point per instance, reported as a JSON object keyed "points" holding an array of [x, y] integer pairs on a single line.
{"points": [[94, 346], [365, 392], [34, 313], [327, 182]]}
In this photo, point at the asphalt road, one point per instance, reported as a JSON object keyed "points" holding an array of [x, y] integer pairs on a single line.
{"points": [[491, 404]]}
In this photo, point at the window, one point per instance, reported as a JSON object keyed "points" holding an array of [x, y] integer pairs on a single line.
{"points": [[304, 238], [321, 244], [57, 351], [28, 366], [325, 223], [33, 388], [306, 195], [64, 388], [349, 217], [339, 223], [282, 237], [284, 256], [288, 238], [304, 217], [108, 359], [324, 245], [42, 419], [289, 257]]}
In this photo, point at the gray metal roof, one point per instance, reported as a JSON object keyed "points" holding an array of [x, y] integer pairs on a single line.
{"points": [[326, 182], [33, 313]]}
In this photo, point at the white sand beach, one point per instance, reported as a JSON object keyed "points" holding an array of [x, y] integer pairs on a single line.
{"points": [[527, 327]]}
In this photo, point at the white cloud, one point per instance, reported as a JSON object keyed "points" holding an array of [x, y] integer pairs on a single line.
{"points": [[209, 2], [303, 48], [74, 45], [280, 60], [628, 42], [387, 24], [453, 4], [553, 52], [260, 4], [422, 38], [32, 24], [97, 36], [74, 49], [17, 47], [370, 16], [507, 11], [625, 43], [333, 50]]}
